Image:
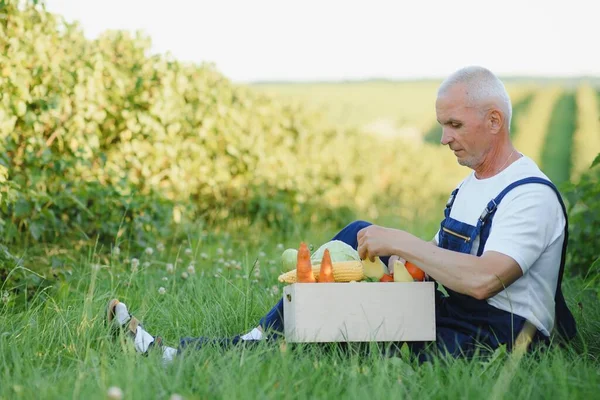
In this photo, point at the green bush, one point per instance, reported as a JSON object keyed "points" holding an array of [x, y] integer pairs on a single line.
{"points": [[89, 129], [584, 219]]}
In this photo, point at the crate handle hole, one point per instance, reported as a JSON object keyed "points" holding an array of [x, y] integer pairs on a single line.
{"points": [[289, 297]]}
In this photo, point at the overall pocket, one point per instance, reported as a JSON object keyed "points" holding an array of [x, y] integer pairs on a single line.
{"points": [[455, 241]]}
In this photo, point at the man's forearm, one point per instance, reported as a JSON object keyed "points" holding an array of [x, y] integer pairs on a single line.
{"points": [[463, 273]]}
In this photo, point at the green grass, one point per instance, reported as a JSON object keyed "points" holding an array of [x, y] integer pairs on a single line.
{"points": [[557, 151], [388, 108], [377, 106], [519, 110], [54, 345], [434, 135]]}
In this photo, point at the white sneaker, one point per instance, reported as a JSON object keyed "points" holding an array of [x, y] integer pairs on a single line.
{"points": [[119, 319]]}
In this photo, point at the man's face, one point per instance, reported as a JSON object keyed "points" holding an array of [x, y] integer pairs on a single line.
{"points": [[463, 127]]}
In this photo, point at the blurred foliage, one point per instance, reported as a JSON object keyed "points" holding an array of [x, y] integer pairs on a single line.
{"points": [[385, 107], [101, 141], [98, 136], [584, 220], [556, 156], [533, 127], [586, 139]]}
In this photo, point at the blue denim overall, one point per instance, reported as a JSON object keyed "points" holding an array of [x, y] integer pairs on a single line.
{"points": [[463, 323]]}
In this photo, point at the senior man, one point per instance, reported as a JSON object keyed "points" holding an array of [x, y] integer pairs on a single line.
{"points": [[500, 249]]}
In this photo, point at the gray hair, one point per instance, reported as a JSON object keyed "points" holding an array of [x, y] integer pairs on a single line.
{"points": [[482, 86]]}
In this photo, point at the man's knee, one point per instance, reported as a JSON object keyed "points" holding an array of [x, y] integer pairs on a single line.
{"points": [[348, 234], [357, 225]]}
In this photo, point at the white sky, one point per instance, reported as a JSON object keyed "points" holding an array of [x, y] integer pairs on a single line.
{"points": [[332, 40]]}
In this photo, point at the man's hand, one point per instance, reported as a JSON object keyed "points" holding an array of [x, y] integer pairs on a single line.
{"points": [[479, 277], [375, 241]]}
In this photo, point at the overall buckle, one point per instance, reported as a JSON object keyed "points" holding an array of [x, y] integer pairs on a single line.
{"points": [[488, 210]]}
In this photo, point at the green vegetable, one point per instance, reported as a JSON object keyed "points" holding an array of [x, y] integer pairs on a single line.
{"points": [[338, 250], [289, 258]]}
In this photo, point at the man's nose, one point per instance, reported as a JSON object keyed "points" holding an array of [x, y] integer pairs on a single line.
{"points": [[446, 136]]}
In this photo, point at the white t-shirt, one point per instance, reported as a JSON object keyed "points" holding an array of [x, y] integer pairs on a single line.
{"points": [[529, 227]]}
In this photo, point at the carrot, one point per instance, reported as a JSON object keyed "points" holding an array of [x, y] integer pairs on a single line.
{"points": [[415, 271], [386, 278], [326, 272], [304, 266]]}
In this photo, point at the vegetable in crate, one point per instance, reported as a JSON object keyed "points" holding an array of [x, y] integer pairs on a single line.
{"points": [[304, 267], [338, 250], [415, 271], [408, 272], [374, 269], [326, 271], [400, 273], [344, 271], [346, 266], [289, 258]]}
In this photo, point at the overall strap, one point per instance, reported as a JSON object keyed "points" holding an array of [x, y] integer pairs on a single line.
{"points": [[564, 319], [486, 217], [450, 202]]}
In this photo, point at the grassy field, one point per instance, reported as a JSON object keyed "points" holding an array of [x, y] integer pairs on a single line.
{"points": [[56, 346], [556, 155], [387, 108], [198, 185], [554, 121], [53, 343]]}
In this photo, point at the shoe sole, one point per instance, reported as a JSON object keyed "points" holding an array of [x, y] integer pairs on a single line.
{"points": [[130, 326], [110, 311]]}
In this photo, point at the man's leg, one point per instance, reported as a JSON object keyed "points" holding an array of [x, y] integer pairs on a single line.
{"points": [[270, 327], [349, 233], [272, 323], [118, 317]]}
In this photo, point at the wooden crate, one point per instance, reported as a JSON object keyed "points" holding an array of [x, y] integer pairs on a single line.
{"points": [[359, 312]]}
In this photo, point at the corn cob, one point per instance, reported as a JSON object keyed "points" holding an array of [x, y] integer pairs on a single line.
{"points": [[343, 271]]}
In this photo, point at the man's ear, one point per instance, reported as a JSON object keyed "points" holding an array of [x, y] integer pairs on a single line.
{"points": [[495, 121]]}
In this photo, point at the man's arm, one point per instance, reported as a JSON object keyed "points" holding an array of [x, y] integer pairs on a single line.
{"points": [[394, 257], [479, 277], [523, 227]]}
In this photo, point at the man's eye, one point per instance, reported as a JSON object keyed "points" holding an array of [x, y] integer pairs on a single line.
{"points": [[455, 125]]}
